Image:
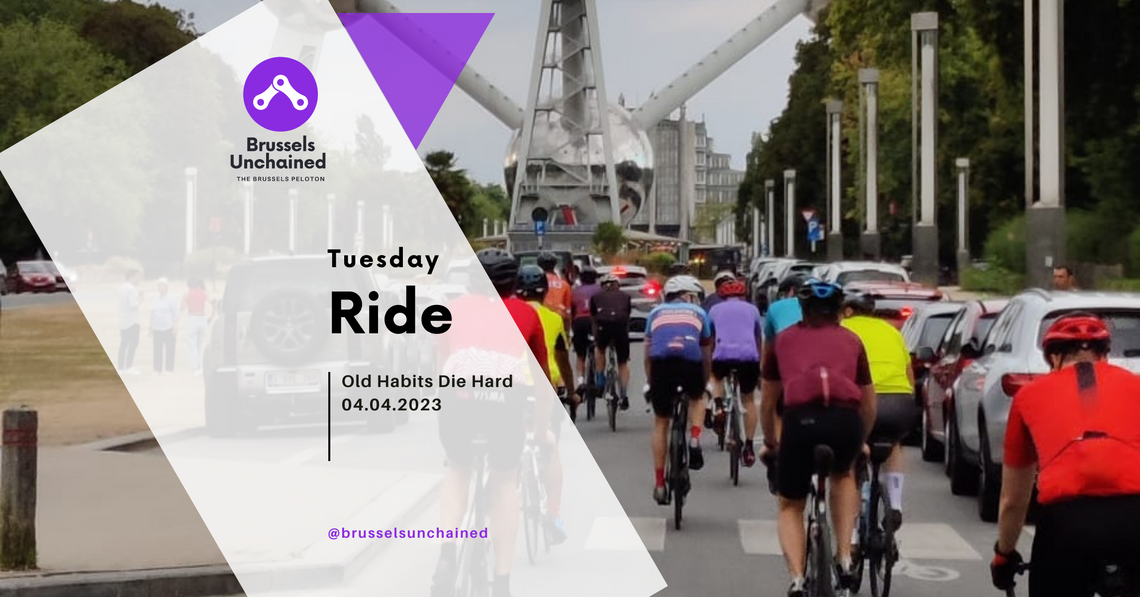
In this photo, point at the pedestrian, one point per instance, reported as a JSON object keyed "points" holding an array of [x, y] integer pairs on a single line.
{"points": [[129, 302], [163, 321], [1063, 279], [195, 303]]}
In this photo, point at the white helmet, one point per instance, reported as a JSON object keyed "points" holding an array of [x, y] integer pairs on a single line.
{"points": [[723, 276], [608, 279], [681, 284]]}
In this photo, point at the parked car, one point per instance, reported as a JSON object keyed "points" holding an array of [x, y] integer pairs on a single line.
{"points": [[35, 276], [846, 272], [644, 292], [782, 271], [270, 352], [923, 329], [757, 276], [764, 279], [897, 302], [1011, 358], [960, 344]]}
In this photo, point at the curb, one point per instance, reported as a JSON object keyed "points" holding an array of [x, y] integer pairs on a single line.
{"points": [[199, 581], [134, 441]]}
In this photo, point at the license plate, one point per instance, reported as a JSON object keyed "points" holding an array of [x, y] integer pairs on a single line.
{"points": [[292, 381]]}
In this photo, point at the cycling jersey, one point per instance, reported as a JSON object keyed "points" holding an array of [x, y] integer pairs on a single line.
{"points": [[677, 330], [580, 300], [886, 352], [611, 306], [555, 334], [1087, 445], [472, 328], [557, 294], [782, 315], [736, 325], [819, 364]]}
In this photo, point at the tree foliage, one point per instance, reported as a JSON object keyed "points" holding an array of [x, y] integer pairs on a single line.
{"points": [[609, 239]]}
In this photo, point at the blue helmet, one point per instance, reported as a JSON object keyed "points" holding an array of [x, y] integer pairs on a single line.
{"points": [[821, 297]]}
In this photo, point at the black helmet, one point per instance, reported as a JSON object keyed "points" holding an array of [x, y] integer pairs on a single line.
{"points": [[860, 302], [547, 261], [588, 275], [501, 268], [791, 284], [532, 283]]}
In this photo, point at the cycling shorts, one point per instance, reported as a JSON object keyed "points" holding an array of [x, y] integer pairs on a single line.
{"points": [[666, 375], [747, 373], [616, 335], [581, 329], [807, 426], [1075, 539], [896, 416]]}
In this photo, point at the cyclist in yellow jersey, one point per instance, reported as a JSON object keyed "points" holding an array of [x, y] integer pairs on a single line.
{"points": [[532, 288], [894, 384]]}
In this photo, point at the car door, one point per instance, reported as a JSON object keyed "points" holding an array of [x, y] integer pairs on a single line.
{"points": [[978, 376], [938, 381]]}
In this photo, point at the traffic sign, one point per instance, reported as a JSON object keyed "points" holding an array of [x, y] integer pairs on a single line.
{"points": [[808, 214], [540, 227], [814, 230]]}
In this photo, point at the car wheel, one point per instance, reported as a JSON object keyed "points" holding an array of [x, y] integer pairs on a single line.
{"points": [[963, 477], [932, 450], [287, 327], [990, 491]]}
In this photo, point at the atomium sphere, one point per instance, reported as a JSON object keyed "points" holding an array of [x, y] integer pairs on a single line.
{"points": [[633, 165]]}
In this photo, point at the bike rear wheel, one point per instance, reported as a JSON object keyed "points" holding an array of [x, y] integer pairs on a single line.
{"points": [[611, 389], [886, 552], [678, 453], [532, 516], [591, 389], [735, 445]]}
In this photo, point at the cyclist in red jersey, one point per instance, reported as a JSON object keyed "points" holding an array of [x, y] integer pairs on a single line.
{"points": [[476, 345], [1077, 430]]}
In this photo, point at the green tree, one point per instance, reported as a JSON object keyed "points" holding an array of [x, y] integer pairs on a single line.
{"points": [[139, 35], [453, 185], [609, 239]]}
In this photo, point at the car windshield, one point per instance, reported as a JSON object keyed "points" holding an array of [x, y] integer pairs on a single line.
{"points": [[934, 329], [984, 324], [33, 267], [868, 275], [1124, 325]]}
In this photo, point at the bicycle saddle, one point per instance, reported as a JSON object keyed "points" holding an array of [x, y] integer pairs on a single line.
{"points": [[824, 458], [880, 452]]}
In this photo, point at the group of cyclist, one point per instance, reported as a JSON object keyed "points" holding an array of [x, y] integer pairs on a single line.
{"points": [[832, 374]]}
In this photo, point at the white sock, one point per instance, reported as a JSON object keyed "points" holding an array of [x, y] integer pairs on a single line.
{"points": [[855, 536], [895, 489]]}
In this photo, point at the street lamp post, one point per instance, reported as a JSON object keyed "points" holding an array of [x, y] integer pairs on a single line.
{"points": [[924, 27], [292, 221], [1045, 248], [963, 165], [248, 217], [770, 237], [871, 243], [191, 198], [835, 213], [790, 212]]}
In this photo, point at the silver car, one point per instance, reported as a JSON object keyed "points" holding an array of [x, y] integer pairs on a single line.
{"points": [[644, 293], [1011, 358], [846, 272]]}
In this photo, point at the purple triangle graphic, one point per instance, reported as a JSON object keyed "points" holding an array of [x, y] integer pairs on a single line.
{"points": [[416, 58]]}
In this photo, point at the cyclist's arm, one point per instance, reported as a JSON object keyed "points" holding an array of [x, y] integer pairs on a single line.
{"points": [[706, 347], [770, 389], [562, 359], [869, 405], [1018, 474]]}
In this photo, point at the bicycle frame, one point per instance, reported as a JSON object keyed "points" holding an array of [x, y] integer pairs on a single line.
{"points": [[818, 560], [533, 497], [677, 473]]}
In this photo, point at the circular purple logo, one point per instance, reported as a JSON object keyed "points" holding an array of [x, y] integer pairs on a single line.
{"points": [[280, 94]]}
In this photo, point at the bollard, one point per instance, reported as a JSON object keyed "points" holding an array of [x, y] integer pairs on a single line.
{"points": [[18, 490]]}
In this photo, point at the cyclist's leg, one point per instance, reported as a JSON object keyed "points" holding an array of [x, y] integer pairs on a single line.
{"points": [[794, 469], [581, 329], [552, 480], [844, 428], [453, 501], [896, 416], [693, 384], [505, 453], [601, 342], [661, 376], [748, 377], [621, 345]]}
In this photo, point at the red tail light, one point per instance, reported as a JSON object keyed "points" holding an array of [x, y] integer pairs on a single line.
{"points": [[1012, 382], [906, 312], [651, 289]]}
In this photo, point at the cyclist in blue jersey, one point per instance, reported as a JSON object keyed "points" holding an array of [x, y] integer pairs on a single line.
{"points": [[677, 355], [737, 326], [782, 314]]}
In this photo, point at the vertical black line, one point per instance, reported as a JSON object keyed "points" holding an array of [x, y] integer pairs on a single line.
{"points": [[330, 416]]}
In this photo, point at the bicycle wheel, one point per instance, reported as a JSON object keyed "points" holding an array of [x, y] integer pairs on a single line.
{"points": [[735, 445], [611, 388], [825, 585], [677, 460], [532, 523], [473, 579], [591, 390], [886, 550]]}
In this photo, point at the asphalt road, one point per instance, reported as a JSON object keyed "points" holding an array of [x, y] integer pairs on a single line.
{"points": [[20, 301], [727, 544]]}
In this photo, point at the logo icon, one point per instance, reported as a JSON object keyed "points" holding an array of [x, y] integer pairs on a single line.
{"points": [[280, 94]]}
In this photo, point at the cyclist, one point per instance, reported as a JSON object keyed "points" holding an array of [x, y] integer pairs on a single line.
{"points": [[532, 288], [581, 319], [476, 344], [720, 279], [737, 330], [782, 314], [611, 309], [829, 399], [1077, 431], [891, 371], [678, 354], [558, 297]]}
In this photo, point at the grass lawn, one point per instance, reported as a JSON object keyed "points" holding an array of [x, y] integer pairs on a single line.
{"points": [[52, 362]]}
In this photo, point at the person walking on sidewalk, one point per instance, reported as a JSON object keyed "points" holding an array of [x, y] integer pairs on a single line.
{"points": [[194, 303], [129, 302], [163, 321]]}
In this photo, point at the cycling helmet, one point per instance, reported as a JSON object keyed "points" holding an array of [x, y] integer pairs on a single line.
{"points": [[680, 285], [588, 275], [820, 297], [722, 277], [532, 283], [501, 268], [609, 279], [1077, 331], [547, 261], [731, 288], [791, 283], [860, 302]]}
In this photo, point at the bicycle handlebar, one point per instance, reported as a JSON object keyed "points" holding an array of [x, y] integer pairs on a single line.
{"points": [[1021, 569]]}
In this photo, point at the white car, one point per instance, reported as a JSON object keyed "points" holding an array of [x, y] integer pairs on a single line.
{"points": [[843, 273]]}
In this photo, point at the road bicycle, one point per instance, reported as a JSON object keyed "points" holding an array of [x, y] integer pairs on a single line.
{"points": [[819, 560], [1112, 581], [677, 464], [878, 550], [610, 390], [732, 435], [532, 499], [590, 392], [474, 553]]}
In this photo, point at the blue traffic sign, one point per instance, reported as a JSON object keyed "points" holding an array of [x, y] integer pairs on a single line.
{"points": [[540, 227], [814, 230]]}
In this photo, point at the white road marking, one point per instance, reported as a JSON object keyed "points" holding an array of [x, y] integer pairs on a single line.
{"points": [[917, 541], [615, 534]]}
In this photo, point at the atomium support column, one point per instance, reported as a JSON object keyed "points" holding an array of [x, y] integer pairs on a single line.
{"points": [[925, 29], [870, 242], [835, 188]]}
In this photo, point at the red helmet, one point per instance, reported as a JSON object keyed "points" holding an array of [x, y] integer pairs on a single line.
{"points": [[1076, 328], [731, 288]]}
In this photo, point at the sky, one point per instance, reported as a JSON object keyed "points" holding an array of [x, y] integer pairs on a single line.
{"points": [[638, 58]]}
